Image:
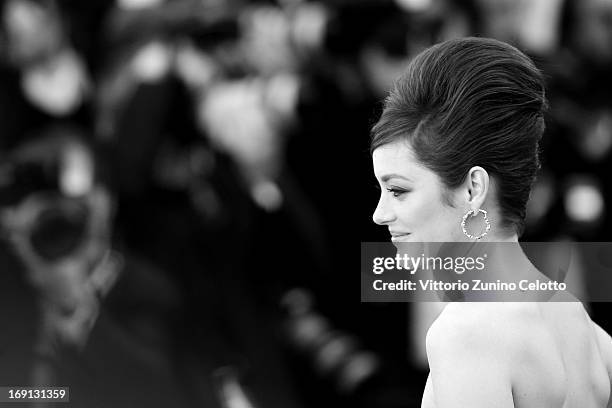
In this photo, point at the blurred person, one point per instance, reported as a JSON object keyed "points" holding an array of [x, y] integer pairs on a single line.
{"points": [[187, 209], [56, 219], [458, 140], [253, 119], [43, 84], [202, 193], [110, 324], [256, 141], [246, 99]]}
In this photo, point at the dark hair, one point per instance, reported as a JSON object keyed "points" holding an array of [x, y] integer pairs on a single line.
{"points": [[471, 102]]}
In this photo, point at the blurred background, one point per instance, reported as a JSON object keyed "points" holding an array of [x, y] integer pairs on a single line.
{"points": [[182, 183]]}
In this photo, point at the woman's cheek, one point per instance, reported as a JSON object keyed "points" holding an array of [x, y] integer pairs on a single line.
{"points": [[423, 209]]}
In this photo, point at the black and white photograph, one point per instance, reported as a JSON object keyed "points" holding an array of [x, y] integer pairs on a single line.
{"points": [[183, 184]]}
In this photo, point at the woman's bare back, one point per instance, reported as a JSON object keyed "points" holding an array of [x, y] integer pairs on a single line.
{"points": [[524, 355]]}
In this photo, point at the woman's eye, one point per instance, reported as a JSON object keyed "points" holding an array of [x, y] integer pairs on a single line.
{"points": [[396, 192]]}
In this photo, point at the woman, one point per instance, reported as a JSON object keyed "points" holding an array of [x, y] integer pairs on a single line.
{"points": [[455, 153]]}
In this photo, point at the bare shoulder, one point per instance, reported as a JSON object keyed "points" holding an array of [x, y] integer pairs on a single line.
{"points": [[604, 341], [468, 344], [485, 331], [496, 326]]}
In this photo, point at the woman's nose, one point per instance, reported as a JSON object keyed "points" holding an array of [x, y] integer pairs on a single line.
{"points": [[382, 214]]}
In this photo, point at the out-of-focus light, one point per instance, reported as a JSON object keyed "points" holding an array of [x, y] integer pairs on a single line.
{"points": [[309, 25], [597, 141], [584, 202], [138, 4], [152, 62], [282, 92], [539, 31], [358, 368], [230, 390], [267, 195], [297, 301], [414, 5], [76, 176], [307, 330], [334, 352], [265, 40], [196, 68], [58, 91], [22, 16]]}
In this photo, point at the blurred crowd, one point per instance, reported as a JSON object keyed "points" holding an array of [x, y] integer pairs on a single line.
{"points": [[182, 183]]}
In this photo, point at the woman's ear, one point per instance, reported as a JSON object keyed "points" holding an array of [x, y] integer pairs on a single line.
{"points": [[477, 183]]}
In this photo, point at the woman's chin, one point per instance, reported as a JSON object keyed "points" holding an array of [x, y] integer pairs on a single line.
{"points": [[409, 247], [402, 238]]}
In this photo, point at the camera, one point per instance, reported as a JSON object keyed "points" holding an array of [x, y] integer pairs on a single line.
{"points": [[50, 201]]}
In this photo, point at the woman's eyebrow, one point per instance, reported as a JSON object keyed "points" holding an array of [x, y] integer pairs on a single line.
{"points": [[388, 177]]}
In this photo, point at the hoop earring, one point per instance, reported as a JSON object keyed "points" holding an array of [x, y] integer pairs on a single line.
{"points": [[473, 213]]}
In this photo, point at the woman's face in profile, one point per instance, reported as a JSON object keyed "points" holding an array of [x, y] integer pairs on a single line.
{"points": [[411, 202]]}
